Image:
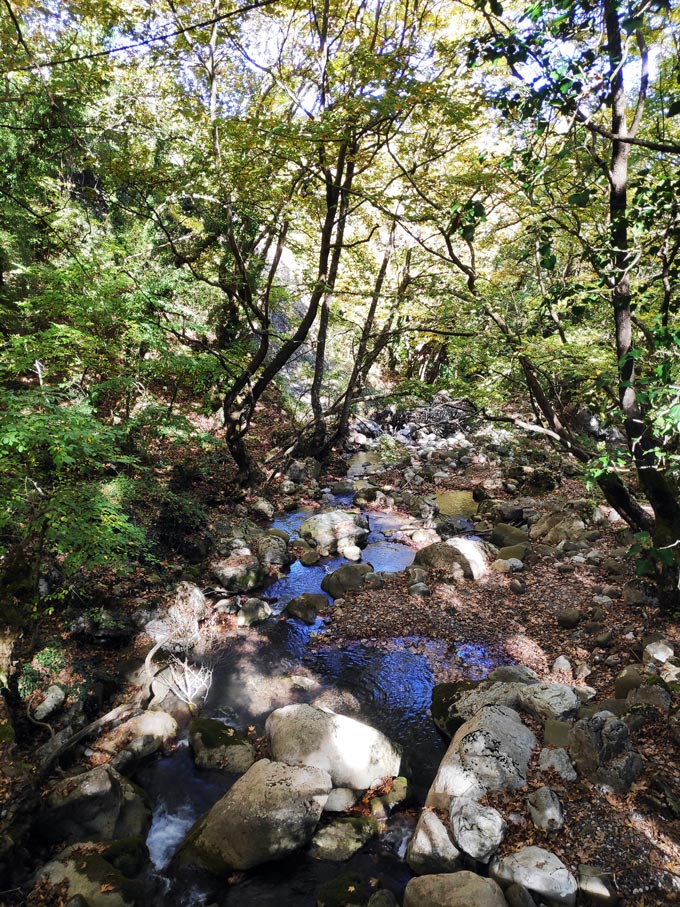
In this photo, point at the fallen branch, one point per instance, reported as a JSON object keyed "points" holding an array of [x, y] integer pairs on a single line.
{"points": [[120, 711]]}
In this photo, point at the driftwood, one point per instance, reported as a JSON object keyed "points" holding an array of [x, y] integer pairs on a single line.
{"points": [[121, 711]]}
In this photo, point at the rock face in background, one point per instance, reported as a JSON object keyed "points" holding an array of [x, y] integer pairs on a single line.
{"points": [[269, 812], [354, 754]]}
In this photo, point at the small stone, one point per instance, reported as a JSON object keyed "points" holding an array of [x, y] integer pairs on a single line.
{"points": [[561, 664], [545, 809], [517, 586], [310, 558], [569, 618], [53, 701], [419, 590], [629, 679], [604, 640], [557, 760], [657, 652]]}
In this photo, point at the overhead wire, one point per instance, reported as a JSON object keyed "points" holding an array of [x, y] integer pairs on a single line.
{"points": [[120, 48]]}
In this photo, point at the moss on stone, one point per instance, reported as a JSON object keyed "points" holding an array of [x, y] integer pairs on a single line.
{"points": [[99, 871], [127, 855], [346, 890], [214, 734]]}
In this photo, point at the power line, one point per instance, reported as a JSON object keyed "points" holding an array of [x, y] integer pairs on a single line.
{"points": [[48, 64]]}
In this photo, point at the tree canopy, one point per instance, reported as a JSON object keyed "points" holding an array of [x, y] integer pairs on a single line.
{"points": [[201, 200]]}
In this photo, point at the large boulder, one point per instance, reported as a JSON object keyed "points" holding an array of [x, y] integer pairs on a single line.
{"points": [[90, 873], [538, 870], [491, 752], [99, 805], [136, 739], [240, 572], [455, 557], [453, 889], [431, 849], [355, 755], [601, 748], [270, 812], [348, 578], [334, 530], [273, 550]]}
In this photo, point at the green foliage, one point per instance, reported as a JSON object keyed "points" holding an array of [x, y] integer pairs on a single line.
{"points": [[29, 681], [648, 555], [391, 451], [54, 459], [50, 659]]}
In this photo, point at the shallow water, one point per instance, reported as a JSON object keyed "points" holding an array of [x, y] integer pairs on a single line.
{"points": [[388, 686]]}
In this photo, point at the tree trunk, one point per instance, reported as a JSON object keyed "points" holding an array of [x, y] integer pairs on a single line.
{"points": [[658, 486]]}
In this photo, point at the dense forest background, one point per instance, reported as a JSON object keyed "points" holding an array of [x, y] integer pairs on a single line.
{"points": [[201, 203]]}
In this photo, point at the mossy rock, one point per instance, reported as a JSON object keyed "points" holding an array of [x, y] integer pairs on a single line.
{"points": [[217, 745], [278, 534], [127, 855], [343, 837], [85, 873], [444, 699], [346, 890]]}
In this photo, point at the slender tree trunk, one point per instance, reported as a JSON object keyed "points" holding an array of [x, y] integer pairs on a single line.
{"points": [[661, 491]]}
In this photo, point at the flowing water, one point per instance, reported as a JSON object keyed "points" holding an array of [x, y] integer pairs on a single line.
{"points": [[387, 685]]}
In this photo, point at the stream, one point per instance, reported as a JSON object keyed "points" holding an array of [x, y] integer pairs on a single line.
{"points": [[387, 686]]}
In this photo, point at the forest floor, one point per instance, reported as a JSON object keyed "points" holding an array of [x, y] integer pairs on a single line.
{"points": [[635, 836]]}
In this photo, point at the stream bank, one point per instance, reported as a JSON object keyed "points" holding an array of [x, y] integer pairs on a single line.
{"points": [[377, 652]]}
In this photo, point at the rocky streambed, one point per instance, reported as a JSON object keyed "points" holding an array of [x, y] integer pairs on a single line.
{"points": [[297, 747]]}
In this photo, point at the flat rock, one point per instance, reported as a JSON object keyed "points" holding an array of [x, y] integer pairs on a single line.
{"points": [[341, 838], [540, 871], [455, 889], [333, 530], [549, 700]]}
